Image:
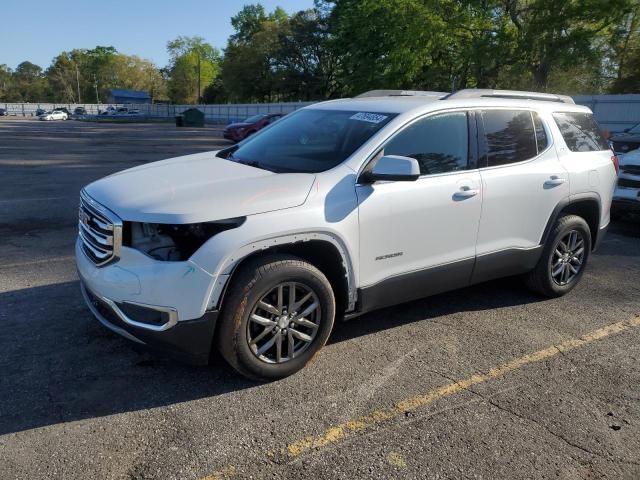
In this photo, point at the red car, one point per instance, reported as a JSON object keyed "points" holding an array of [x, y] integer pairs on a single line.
{"points": [[241, 130]]}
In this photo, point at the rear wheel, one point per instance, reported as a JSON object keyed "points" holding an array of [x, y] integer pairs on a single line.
{"points": [[563, 259], [278, 314]]}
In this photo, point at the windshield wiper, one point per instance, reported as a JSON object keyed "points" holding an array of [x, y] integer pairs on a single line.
{"points": [[250, 163]]}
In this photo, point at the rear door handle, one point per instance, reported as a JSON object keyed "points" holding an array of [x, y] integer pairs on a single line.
{"points": [[555, 180], [466, 192]]}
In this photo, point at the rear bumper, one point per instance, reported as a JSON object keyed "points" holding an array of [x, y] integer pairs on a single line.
{"points": [[188, 340]]}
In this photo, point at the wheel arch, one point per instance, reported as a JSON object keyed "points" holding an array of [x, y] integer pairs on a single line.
{"points": [[323, 250], [587, 206]]}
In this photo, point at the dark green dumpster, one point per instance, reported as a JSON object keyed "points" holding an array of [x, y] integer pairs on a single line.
{"points": [[191, 117]]}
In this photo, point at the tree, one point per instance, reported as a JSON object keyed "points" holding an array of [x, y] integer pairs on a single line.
{"points": [[304, 58], [405, 44], [277, 57], [624, 60], [194, 65], [6, 83], [64, 76], [552, 35], [29, 84], [84, 74]]}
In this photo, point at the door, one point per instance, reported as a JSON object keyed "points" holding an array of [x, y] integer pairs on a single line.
{"points": [[418, 238], [523, 181]]}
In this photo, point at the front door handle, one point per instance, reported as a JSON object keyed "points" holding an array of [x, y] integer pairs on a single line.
{"points": [[555, 180], [466, 192]]}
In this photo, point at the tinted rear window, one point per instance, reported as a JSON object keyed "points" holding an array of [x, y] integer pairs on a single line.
{"points": [[510, 136], [580, 131]]}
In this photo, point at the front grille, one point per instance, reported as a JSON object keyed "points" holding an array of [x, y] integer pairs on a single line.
{"points": [[100, 231], [631, 169], [626, 183]]}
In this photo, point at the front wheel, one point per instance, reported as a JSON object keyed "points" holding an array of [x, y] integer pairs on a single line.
{"points": [[278, 314], [563, 259]]}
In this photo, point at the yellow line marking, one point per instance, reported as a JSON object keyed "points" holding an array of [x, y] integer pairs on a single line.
{"points": [[339, 432], [396, 459], [227, 472]]}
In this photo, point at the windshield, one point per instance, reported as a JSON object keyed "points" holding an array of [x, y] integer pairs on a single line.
{"points": [[308, 141], [635, 129], [253, 119]]}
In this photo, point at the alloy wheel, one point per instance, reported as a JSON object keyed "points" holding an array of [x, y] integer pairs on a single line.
{"points": [[284, 322], [568, 258]]}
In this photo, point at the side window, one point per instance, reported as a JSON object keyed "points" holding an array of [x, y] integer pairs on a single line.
{"points": [[580, 131], [440, 143], [509, 135], [541, 135]]}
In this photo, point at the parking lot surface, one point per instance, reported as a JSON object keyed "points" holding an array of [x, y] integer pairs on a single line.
{"points": [[486, 382]]}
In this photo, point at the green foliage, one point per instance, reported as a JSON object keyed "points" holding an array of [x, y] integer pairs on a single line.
{"points": [[88, 75], [28, 83], [345, 47], [194, 66], [624, 43], [277, 57]]}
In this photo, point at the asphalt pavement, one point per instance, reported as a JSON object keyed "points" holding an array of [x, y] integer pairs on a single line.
{"points": [[486, 382]]}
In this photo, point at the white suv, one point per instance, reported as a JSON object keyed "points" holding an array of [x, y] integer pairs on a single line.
{"points": [[340, 208]]}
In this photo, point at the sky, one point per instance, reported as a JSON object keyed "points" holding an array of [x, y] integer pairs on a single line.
{"points": [[38, 30]]}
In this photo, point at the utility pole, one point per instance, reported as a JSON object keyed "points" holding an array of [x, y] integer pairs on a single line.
{"points": [[95, 84], [199, 95], [78, 82]]}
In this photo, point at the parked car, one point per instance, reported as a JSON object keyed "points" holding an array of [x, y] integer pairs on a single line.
{"points": [[3, 112], [122, 111], [108, 111], [54, 115], [626, 198], [237, 132], [80, 111], [338, 209], [40, 111], [133, 111], [627, 141]]}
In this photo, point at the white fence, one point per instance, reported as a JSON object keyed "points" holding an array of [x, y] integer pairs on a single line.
{"points": [[221, 113], [613, 112]]}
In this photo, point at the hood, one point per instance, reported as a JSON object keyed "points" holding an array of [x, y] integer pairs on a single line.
{"points": [[625, 137], [631, 158], [198, 188], [238, 125]]}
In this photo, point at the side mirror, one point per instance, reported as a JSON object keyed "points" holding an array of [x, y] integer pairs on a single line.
{"points": [[393, 168], [626, 130]]}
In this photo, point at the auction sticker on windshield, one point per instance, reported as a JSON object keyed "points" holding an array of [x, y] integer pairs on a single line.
{"points": [[368, 117]]}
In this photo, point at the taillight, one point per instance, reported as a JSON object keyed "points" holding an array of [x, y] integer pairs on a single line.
{"points": [[616, 163]]}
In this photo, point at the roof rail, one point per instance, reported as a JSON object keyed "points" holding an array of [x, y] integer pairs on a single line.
{"points": [[514, 94], [401, 93]]}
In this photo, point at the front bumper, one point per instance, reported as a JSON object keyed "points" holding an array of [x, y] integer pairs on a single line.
{"points": [[159, 304], [188, 340], [626, 199]]}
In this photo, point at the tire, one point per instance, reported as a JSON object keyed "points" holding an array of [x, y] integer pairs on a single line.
{"points": [[240, 337], [541, 279]]}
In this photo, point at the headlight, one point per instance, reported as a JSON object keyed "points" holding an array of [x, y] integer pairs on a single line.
{"points": [[173, 243]]}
